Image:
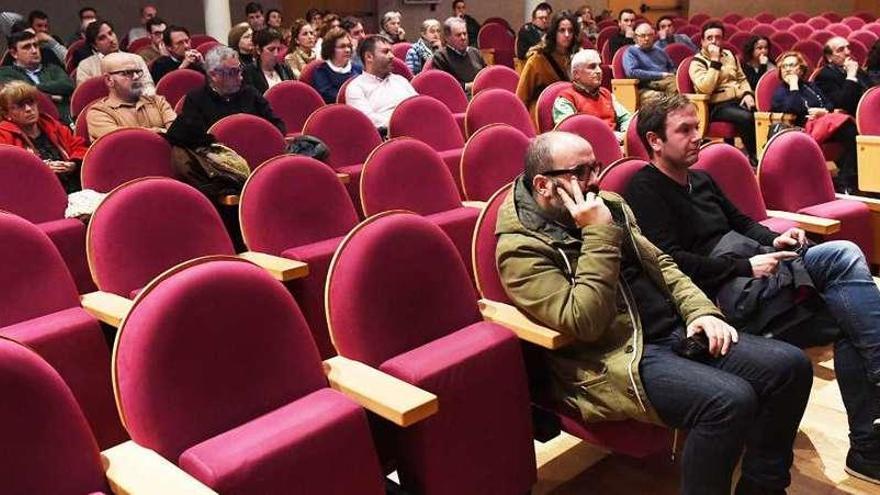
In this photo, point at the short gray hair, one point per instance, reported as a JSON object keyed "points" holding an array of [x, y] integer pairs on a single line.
{"points": [[452, 21], [387, 16], [582, 57], [217, 55], [427, 23]]}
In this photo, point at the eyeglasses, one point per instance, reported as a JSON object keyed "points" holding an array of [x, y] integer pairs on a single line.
{"points": [[129, 73], [644, 35], [581, 171], [790, 65]]}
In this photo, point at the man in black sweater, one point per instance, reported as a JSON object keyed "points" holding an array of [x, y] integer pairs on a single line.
{"points": [[841, 79], [686, 215], [626, 20], [223, 95], [531, 33], [457, 58]]}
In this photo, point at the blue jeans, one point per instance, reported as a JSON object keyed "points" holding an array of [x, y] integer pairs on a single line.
{"points": [[753, 397], [842, 276]]}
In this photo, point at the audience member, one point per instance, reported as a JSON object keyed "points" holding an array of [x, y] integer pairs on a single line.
{"points": [[587, 95], [872, 64], [625, 35], [459, 9], [430, 40], [253, 11], [578, 264], [269, 68], [356, 32], [666, 35], [7, 20], [47, 55], [87, 15], [716, 72], [302, 47], [755, 59], [100, 36], [589, 28], [330, 21], [28, 67], [241, 39], [223, 94], [391, 28], [337, 67], [39, 23], [649, 64], [126, 105], [841, 79], [156, 27], [533, 32], [821, 293], [24, 126], [378, 91], [181, 54], [141, 31], [456, 57], [550, 60], [315, 17], [815, 112], [274, 19]]}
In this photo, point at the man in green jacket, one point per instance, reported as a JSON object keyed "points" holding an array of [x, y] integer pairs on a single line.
{"points": [[24, 48], [579, 264]]}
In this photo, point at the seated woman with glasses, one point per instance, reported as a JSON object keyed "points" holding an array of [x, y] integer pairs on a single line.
{"points": [[24, 126], [223, 95], [815, 113], [268, 68], [337, 67]]}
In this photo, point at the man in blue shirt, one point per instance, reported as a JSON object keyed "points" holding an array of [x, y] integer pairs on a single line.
{"points": [[649, 64]]}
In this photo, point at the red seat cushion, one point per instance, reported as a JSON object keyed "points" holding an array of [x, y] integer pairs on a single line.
{"points": [[721, 129], [69, 236], [778, 224], [297, 448], [459, 224], [855, 221], [484, 418], [72, 342]]}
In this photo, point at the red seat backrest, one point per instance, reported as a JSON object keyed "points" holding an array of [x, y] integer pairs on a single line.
{"points": [[678, 52], [406, 174], [28, 187], [764, 30], [634, 145], [293, 102], [802, 31], [252, 137], [799, 16], [597, 132], [683, 78], [810, 49], [782, 23], [177, 83], [499, 38], [868, 112], [818, 22], [617, 64], [309, 70], [616, 177], [346, 131], [731, 171], [495, 76], [428, 120], [766, 87], [400, 68], [782, 41], [492, 157], [207, 46], [146, 227], [87, 92], [544, 106], [399, 49], [442, 86], [125, 154], [498, 106], [792, 174], [488, 280]]}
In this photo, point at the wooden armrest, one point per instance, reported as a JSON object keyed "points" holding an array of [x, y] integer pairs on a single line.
{"points": [[229, 199], [474, 204], [135, 470], [106, 307], [868, 159], [344, 178], [393, 399], [866, 139], [815, 225], [624, 82], [872, 203], [510, 317], [282, 269]]}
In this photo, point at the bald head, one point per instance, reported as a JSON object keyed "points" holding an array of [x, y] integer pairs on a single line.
{"points": [[644, 35], [553, 150], [837, 50], [122, 75], [117, 61]]}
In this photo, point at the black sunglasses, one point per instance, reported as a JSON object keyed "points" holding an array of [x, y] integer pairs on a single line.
{"points": [[581, 171]]}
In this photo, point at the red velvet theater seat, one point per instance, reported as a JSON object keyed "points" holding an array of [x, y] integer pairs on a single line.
{"points": [[252, 137], [295, 207], [626, 437], [405, 174], [47, 445], [293, 102], [495, 76], [596, 131], [29, 189], [444, 87], [492, 157], [215, 370], [40, 308], [125, 154], [498, 106], [399, 298]]}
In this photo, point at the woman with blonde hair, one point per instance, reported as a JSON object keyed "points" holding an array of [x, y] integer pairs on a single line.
{"points": [[302, 46], [25, 127], [815, 113]]}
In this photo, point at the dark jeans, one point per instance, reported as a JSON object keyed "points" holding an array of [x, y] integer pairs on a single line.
{"points": [[741, 118], [847, 167], [753, 397]]}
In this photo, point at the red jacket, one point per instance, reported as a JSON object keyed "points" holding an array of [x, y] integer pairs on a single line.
{"points": [[71, 146]]}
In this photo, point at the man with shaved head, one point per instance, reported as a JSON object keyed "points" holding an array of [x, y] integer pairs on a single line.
{"points": [[127, 105], [586, 95], [647, 343]]}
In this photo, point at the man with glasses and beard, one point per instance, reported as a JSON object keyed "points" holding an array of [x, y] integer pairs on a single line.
{"points": [[223, 94], [126, 104], [648, 344]]}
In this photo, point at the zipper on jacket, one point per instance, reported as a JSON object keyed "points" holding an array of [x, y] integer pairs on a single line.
{"points": [[637, 323]]}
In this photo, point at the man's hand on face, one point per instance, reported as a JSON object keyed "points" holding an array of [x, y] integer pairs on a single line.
{"points": [[714, 52], [192, 57], [721, 335], [851, 66], [791, 238], [589, 210]]}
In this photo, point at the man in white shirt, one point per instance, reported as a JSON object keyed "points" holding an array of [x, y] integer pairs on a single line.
{"points": [[100, 36], [377, 91]]}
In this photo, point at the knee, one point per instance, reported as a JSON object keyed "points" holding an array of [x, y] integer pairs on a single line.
{"points": [[793, 369], [736, 405]]}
